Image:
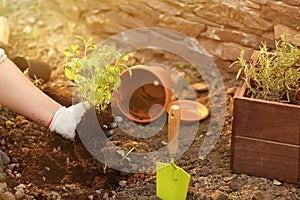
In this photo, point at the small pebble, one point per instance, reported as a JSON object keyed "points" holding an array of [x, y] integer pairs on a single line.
{"points": [[12, 166], [21, 22], [19, 193], [109, 132], [40, 23], [31, 20], [122, 183], [105, 196], [227, 179], [113, 125], [9, 196], [218, 195], [27, 29], [118, 119], [3, 186], [18, 175], [29, 197], [21, 186], [99, 192], [200, 87], [257, 195], [65, 194], [52, 53]]}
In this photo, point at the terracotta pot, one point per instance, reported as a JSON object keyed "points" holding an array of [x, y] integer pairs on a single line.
{"points": [[144, 96], [37, 69]]}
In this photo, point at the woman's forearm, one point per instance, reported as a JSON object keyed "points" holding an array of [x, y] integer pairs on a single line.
{"points": [[18, 94]]}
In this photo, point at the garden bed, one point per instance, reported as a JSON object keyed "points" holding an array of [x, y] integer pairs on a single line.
{"points": [[47, 166]]}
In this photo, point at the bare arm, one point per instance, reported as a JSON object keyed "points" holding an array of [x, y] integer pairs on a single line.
{"points": [[18, 94]]}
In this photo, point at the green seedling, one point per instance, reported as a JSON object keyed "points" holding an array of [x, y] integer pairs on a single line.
{"points": [[126, 155], [181, 66], [36, 81], [104, 168], [9, 123], [95, 70], [233, 195]]}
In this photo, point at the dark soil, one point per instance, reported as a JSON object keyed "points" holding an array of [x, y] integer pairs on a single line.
{"points": [[44, 165]]}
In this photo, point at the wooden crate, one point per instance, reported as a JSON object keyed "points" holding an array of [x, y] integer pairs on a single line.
{"points": [[265, 138]]}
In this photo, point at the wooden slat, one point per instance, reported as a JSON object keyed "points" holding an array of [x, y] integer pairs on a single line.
{"points": [[265, 159], [278, 122]]}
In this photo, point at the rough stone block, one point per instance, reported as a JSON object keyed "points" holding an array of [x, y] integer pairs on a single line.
{"points": [[224, 50], [232, 35], [292, 33], [192, 29]]}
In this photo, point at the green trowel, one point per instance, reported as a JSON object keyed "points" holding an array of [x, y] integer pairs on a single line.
{"points": [[171, 181]]}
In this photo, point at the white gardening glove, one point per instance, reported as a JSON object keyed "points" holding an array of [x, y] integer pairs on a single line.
{"points": [[2, 55], [65, 120]]}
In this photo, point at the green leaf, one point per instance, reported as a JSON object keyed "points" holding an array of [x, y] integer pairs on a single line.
{"points": [[90, 41], [128, 158], [239, 73], [121, 152], [95, 70], [67, 53], [117, 83], [108, 95], [126, 57], [74, 47], [69, 74]]}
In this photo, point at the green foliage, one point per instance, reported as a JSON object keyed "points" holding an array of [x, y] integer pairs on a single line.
{"points": [[125, 155], [181, 66], [36, 81], [272, 75], [233, 195], [95, 70]]}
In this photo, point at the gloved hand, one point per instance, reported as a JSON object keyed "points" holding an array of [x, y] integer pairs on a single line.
{"points": [[4, 160], [66, 120]]}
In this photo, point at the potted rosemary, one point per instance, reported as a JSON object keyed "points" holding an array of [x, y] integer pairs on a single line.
{"points": [[265, 128], [272, 75]]}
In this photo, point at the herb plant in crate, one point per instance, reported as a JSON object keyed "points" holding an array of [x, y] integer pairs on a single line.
{"points": [[266, 118]]}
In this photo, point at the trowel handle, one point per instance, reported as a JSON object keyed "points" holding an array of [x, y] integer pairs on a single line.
{"points": [[173, 129]]}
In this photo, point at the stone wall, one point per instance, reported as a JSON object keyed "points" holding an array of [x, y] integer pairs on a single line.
{"points": [[222, 27]]}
